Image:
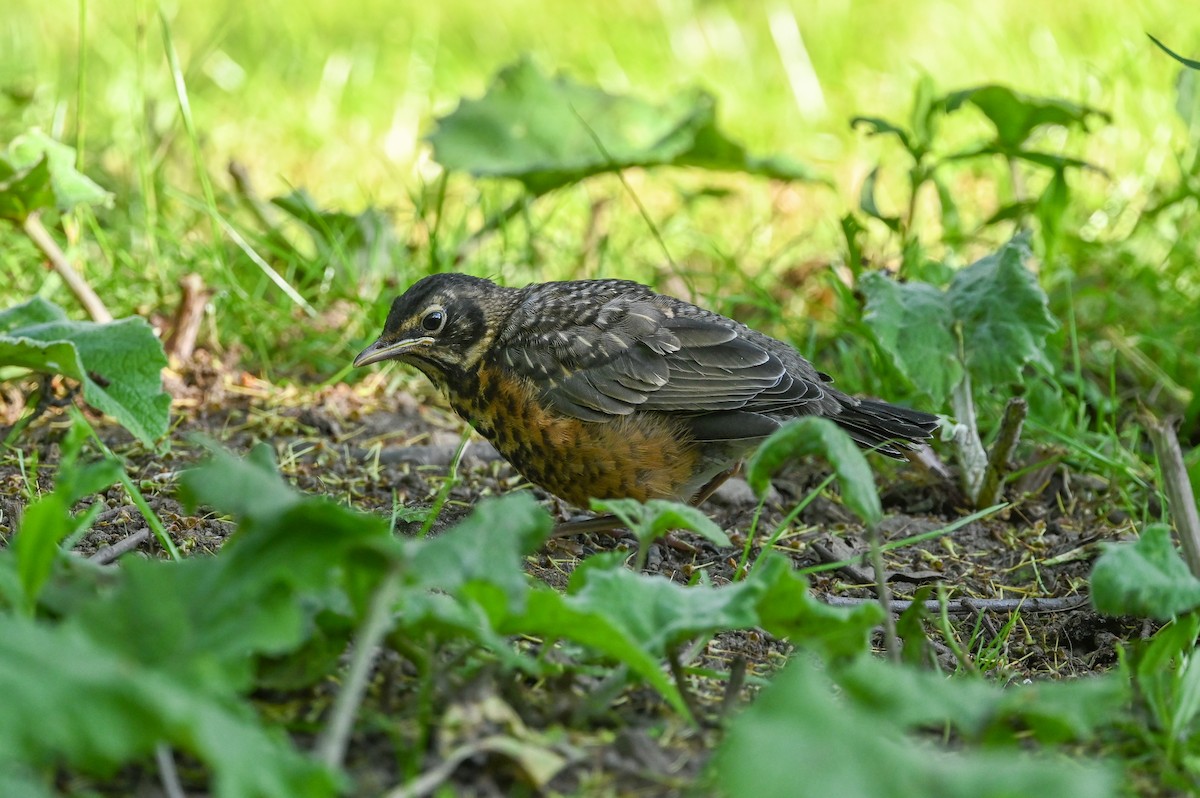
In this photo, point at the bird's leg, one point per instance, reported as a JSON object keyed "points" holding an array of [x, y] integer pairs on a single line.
{"points": [[711, 486], [608, 524]]}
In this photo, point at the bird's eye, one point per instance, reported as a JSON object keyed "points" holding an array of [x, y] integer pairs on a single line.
{"points": [[434, 320]]}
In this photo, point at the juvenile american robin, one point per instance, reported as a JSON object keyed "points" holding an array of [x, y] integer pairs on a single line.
{"points": [[605, 389]]}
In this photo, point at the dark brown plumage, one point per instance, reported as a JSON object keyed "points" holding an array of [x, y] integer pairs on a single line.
{"points": [[606, 389]]}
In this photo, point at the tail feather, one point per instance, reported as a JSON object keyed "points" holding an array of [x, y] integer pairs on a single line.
{"points": [[888, 429]]}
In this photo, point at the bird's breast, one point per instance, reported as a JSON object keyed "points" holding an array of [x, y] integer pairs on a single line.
{"points": [[640, 456]]}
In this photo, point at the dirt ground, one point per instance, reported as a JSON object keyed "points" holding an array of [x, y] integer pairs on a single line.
{"points": [[369, 445]]}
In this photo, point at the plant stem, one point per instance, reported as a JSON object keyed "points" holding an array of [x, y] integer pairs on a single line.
{"points": [[689, 700], [971, 455], [331, 747], [1180, 499], [42, 239], [1010, 432], [884, 594], [135, 494]]}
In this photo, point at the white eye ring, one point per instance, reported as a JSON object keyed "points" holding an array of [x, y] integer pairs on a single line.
{"points": [[434, 319]]}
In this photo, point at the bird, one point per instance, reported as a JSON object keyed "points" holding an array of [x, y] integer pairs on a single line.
{"points": [[605, 389]]}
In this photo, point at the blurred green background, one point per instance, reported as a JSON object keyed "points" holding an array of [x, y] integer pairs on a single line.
{"points": [[334, 96]]}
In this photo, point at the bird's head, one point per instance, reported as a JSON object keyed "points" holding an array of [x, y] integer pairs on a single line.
{"points": [[442, 324]]}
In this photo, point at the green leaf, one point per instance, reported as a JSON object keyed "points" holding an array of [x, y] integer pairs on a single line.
{"points": [[118, 364], [38, 173], [249, 487], [1051, 208], [866, 202], [24, 191], [913, 324], [488, 546], [70, 699], [653, 519], [798, 739], [47, 521], [820, 437], [1016, 116], [788, 609], [365, 240], [1147, 578], [44, 523], [552, 615], [1187, 62], [876, 126], [549, 132], [1053, 712], [1004, 314]]}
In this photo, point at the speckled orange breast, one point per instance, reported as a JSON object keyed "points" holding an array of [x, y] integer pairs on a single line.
{"points": [[639, 456]]}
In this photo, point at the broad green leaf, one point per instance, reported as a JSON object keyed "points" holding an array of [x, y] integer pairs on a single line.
{"points": [[38, 173], [1147, 578], [813, 436], [70, 699], [658, 613], [1004, 314], [551, 615], [800, 738], [247, 487], [24, 191], [636, 619], [489, 546], [651, 520], [1053, 711], [914, 326], [1016, 115], [547, 132], [118, 364], [35, 311], [788, 609]]}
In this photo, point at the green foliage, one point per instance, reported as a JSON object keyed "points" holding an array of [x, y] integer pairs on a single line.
{"points": [[652, 520], [362, 243], [1017, 117], [995, 307], [38, 173], [73, 700], [802, 738], [118, 364], [1050, 712], [1166, 676], [819, 436], [1146, 578], [48, 521], [549, 132]]}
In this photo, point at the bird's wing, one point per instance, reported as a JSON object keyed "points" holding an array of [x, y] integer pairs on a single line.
{"points": [[639, 352]]}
